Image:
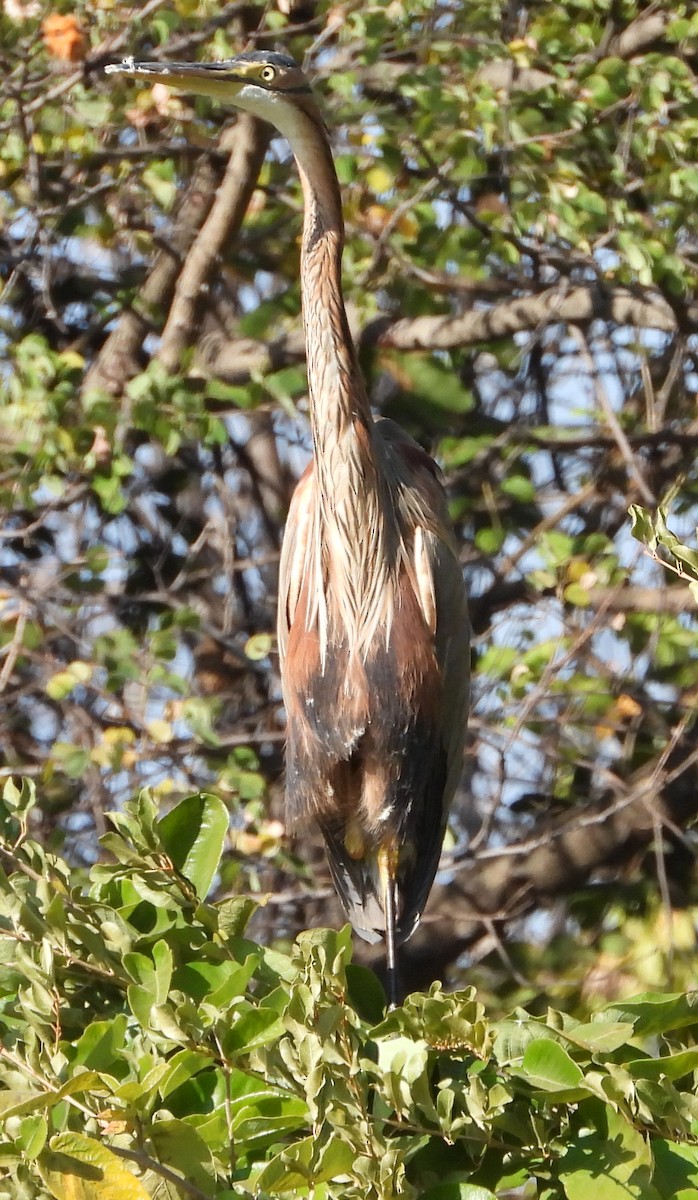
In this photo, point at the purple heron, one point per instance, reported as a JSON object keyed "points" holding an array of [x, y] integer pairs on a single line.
{"points": [[372, 624]]}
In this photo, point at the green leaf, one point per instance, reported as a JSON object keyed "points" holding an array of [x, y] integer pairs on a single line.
{"points": [[16, 1101], [258, 647], [180, 1068], [600, 1037], [653, 1013], [253, 1029], [669, 1066], [675, 1169], [515, 1034], [33, 1132], [457, 1191], [270, 1118], [100, 1044], [193, 834], [184, 1149], [233, 915], [19, 800], [94, 110], [141, 1001], [613, 1162], [305, 1163], [519, 487], [162, 961], [642, 526], [365, 992], [548, 1066], [159, 178]]}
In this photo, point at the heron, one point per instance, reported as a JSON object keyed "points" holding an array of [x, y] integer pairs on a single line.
{"points": [[373, 629]]}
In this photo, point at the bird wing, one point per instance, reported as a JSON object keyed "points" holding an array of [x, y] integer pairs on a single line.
{"points": [[437, 580], [296, 554], [415, 738]]}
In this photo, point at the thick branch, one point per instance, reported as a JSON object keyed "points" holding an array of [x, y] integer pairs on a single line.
{"points": [[648, 29], [248, 147], [118, 359], [576, 306], [237, 361], [673, 600]]}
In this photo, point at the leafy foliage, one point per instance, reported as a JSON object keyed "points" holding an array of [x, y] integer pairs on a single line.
{"points": [[651, 529], [151, 1049]]}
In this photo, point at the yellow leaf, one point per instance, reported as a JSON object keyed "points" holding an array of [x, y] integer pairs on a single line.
{"points": [[60, 685], [627, 707], [379, 179], [101, 755], [116, 735], [160, 731], [408, 225], [81, 671], [258, 646], [376, 218], [576, 569], [166, 787], [70, 358], [80, 1168], [247, 843]]}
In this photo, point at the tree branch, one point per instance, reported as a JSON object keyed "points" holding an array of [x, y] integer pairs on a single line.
{"points": [[528, 314], [247, 150], [671, 600], [237, 361], [118, 359]]}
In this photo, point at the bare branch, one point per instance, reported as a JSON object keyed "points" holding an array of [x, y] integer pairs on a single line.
{"points": [[527, 314], [672, 600], [649, 27], [118, 359], [248, 147], [604, 403], [238, 361]]}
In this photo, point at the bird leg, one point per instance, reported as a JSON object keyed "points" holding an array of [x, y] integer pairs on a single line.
{"points": [[387, 862]]}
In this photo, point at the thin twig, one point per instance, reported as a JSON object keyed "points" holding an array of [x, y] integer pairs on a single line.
{"points": [[604, 403]]}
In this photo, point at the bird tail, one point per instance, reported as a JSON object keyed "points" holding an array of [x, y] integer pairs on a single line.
{"points": [[360, 884]]}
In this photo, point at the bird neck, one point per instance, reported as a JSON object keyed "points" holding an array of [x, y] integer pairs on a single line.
{"points": [[352, 504], [339, 407]]}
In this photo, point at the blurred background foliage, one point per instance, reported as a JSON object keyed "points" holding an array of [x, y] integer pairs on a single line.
{"points": [[521, 190]]}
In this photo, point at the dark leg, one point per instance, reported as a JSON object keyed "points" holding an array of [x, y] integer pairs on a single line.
{"points": [[393, 978], [387, 866]]}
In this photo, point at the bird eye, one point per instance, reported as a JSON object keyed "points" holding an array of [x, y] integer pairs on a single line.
{"points": [[267, 74]]}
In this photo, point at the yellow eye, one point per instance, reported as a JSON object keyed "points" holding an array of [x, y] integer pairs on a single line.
{"points": [[267, 74]]}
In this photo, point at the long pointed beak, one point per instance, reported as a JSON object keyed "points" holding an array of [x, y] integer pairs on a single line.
{"points": [[219, 79]]}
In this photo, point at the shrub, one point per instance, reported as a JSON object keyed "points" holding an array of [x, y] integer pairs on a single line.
{"points": [[150, 1049]]}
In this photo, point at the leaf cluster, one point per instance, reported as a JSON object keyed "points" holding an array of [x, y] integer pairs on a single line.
{"points": [[151, 1049]]}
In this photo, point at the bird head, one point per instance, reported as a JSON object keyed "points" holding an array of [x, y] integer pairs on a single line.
{"points": [[268, 85]]}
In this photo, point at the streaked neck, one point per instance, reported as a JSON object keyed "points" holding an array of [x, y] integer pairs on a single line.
{"points": [[337, 392], [352, 504]]}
